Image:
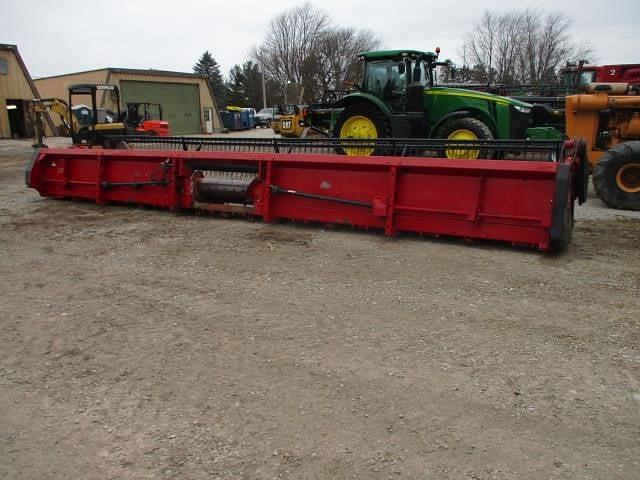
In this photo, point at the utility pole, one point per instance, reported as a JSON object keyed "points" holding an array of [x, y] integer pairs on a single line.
{"points": [[286, 88], [264, 89]]}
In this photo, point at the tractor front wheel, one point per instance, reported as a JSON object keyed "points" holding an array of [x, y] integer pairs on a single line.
{"points": [[465, 129], [616, 177], [361, 121]]}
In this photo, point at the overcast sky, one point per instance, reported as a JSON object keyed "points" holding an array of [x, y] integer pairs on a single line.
{"points": [[65, 36]]}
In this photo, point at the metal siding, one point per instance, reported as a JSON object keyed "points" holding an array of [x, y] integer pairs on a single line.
{"points": [[180, 102], [57, 87], [206, 100], [13, 85]]}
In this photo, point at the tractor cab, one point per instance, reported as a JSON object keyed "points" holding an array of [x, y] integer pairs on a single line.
{"points": [[398, 77], [576, 78]]}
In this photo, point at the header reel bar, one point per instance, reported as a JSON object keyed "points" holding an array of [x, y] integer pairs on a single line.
{"points": [[539, 150]]}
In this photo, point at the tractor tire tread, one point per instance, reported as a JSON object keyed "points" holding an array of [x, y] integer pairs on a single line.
{"points": [[604, 176], [370, 111], [478, 127], [471, 123]]}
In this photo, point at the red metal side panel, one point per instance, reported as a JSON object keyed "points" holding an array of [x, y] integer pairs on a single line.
{"points": [[504, 200], [477, 205], [347, 183], [510, 201], [78, 173]]}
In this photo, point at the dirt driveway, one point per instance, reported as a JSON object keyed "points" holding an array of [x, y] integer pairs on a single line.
{"points": [[139, 344]]}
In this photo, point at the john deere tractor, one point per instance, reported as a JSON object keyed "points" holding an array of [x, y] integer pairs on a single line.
{"points": [[398, 98]]}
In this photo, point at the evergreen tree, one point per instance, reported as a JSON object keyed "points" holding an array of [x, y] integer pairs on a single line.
{"points": [[236, 87], [244, 86], [252, 84], [208, 67]]}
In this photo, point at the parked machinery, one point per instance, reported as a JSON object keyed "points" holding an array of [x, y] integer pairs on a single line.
{"points": [[83, 123], [297, 125], [147, 117], [94, 122], [294, 123], [608, 117], [90, 124], [408, 189], [49, 105], [398, 98], [580, 76], [287, 112]]}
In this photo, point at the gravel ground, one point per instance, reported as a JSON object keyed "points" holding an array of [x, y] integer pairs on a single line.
{"points": [[142, 344]]}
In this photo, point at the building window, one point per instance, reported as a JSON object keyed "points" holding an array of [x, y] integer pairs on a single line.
{"points": [[4, 67]]}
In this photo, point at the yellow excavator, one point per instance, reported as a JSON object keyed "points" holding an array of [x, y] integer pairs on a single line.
{"points": [[49, 105], [84, 124]]}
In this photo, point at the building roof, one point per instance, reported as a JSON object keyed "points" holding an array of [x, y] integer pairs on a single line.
{"points": [[135, 71], [25, 72], [23, 67]]}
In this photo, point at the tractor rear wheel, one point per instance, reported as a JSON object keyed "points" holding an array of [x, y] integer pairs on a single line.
{"points": [[464, 129], [616, 177], [361, 121]]}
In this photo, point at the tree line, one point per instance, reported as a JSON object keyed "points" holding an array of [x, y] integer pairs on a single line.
{"points": [[304, 53], [519, 47]]}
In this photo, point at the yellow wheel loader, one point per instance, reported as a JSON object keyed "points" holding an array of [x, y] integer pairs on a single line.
{"points": [[608, 117]]}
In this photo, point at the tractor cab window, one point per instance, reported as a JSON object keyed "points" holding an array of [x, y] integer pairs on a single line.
{"points": [[424, 74], [384, 80], [586, 78], [568, 77]]}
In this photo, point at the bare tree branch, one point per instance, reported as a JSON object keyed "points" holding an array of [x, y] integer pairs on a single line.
{"points": [[522, 46], [302, 48]]}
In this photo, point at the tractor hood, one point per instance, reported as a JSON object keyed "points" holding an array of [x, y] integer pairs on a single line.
{"points": [[461, 92]]}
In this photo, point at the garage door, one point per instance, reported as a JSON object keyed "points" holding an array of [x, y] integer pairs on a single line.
{"points": [[180, 102]]}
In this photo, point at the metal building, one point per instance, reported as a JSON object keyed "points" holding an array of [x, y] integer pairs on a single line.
{"points": [[17, 89], [186, 98]]}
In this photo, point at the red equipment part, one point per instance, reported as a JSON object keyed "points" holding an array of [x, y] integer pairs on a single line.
{"points": [[627, 73], [160, 127], [521, 202]]}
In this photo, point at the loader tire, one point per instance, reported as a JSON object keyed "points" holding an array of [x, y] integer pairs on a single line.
{"points": [[616, 177], [562, 217], [464, 129], [581, 181], [361, 121]]}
